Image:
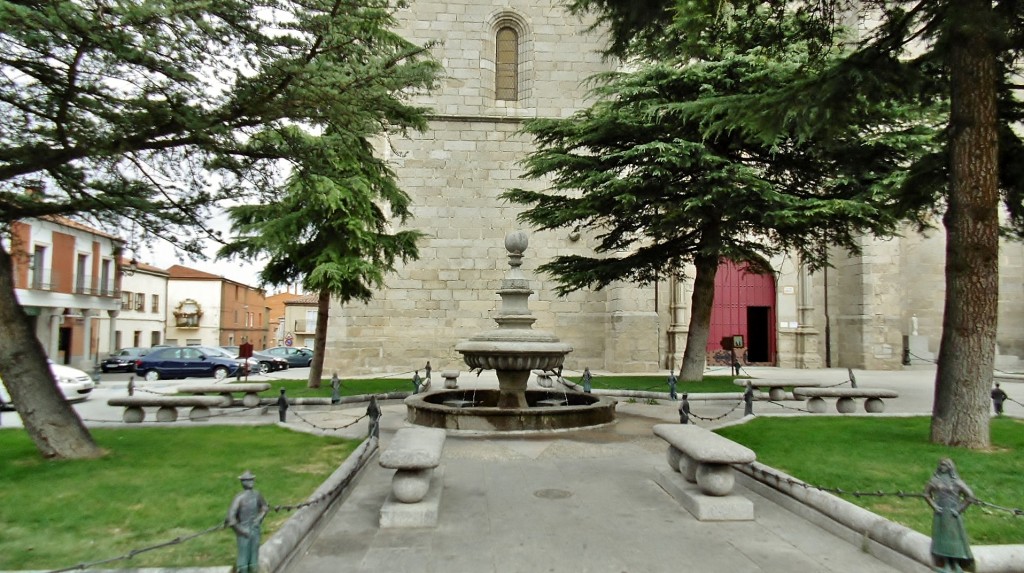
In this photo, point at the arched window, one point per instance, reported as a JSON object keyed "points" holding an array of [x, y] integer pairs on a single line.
{"points": [[506, 69]]}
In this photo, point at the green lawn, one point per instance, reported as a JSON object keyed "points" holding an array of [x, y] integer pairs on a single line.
{"points": [[660, 383], [300, 389], [156, 484], [894, 454]]}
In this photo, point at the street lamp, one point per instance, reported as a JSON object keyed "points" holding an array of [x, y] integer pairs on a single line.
{"points": [[130, 269]]}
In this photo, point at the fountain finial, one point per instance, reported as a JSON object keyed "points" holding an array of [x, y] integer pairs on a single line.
{"points": [[516, 242]]}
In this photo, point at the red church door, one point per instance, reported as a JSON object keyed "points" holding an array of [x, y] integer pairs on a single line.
{"points": [[744, 305]]}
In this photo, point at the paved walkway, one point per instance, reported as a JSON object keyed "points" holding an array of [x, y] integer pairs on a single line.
{"points": [[586, 501]]}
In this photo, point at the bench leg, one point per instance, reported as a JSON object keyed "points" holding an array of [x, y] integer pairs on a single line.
{"points": [[251, 400], [410, 486], [816, 405], [777, 394], [874, 405], [167, 414], [133, 415], [715, 479], [846, 405], [673, 455], [199, 414]]}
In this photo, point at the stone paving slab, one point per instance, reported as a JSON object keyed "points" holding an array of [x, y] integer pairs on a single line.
{"points": [[568, 504]]}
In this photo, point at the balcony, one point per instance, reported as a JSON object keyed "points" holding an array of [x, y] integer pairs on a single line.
{"points": [[304, 326]]}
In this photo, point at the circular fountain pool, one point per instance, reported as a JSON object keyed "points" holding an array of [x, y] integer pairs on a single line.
{"points": [[477, 410]]}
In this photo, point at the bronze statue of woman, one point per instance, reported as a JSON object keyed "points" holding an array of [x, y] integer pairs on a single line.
{"points": [[949, 496]]}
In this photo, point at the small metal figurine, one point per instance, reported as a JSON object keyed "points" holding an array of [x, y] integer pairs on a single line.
{"points": [[586, 379], [131, 385], [684, 410], [735, 365], [335, 389], [426, 371], [748, 400], [948, 497], [282, 406], [373, 413], [245, 516], [416, 382], [672, 381], [998, 397]]}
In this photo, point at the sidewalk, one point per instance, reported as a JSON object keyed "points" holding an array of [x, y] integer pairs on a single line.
{"points": [[586, 501]]}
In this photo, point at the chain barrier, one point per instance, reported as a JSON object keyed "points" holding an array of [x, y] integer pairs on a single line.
{"points": [[899, 493], [182, 539], [325, 428], [716, 418], [134, 552], [781, 405]]}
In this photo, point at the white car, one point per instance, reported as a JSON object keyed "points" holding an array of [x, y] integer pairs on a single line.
{"points": [[75, 384]]}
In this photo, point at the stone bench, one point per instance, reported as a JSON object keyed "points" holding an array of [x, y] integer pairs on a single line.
{"points": [[845, 403], [167, 407], [451, 379], [250, 391], [704, 461], [414, 454], [776, 388]]}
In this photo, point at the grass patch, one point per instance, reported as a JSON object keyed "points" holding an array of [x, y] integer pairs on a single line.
{"points": [[660, 383], [300, 389], [894, 454], [155, 484]]}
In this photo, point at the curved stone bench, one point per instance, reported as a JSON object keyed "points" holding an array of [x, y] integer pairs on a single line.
{"points": [[705, 459], [845, 398], [250, 391], [776, 388], [413, 453], [167, 407]]}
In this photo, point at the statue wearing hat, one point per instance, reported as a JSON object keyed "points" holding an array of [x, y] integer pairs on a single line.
{"points": [[245, 516]]}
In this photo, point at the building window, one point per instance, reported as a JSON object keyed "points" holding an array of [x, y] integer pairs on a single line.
{"points": [[106, 283], [39, 280], [506, 65], [127, 300], [156, 303], [81, 275], [154, 338], [140, 302], [137, 338]]}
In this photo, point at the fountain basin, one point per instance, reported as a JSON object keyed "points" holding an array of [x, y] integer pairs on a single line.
{"points": [[578, 411]]}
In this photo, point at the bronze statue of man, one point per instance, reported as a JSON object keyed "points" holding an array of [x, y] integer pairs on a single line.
{"points": [[245, 516]]}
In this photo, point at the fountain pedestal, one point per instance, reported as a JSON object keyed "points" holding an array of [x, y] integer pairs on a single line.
{"points": [[512, 350]]}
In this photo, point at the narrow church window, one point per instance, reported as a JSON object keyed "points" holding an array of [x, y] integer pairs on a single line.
{"points": [[506, 79]]}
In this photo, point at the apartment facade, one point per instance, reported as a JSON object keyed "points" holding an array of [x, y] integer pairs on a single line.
{"points": [[208, 309], [67, 279]]}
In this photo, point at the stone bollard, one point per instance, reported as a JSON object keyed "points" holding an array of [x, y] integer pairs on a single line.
{"points": [[451, 379]]}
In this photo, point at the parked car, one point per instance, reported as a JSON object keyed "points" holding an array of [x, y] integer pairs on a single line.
{"points": [[254, 365], [123, 360], [267, 362], [185, 362], [295, 356], [75, 384]]}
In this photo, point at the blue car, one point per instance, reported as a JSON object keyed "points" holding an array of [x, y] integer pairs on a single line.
{"points": [[184, 362]]}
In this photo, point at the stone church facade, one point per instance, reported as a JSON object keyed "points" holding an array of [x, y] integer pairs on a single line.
{"points": [[506, 63]]}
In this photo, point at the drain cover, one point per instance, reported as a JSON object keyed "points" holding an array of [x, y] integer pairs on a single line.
{"points": [[552, 493]]}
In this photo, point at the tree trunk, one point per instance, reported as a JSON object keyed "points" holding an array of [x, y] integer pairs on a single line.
{"points": [[323, 310], [50, 421], [960, 413], [695, 355]]}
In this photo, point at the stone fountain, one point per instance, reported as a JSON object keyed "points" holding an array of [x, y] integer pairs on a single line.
{"points": [[512, 350]]}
